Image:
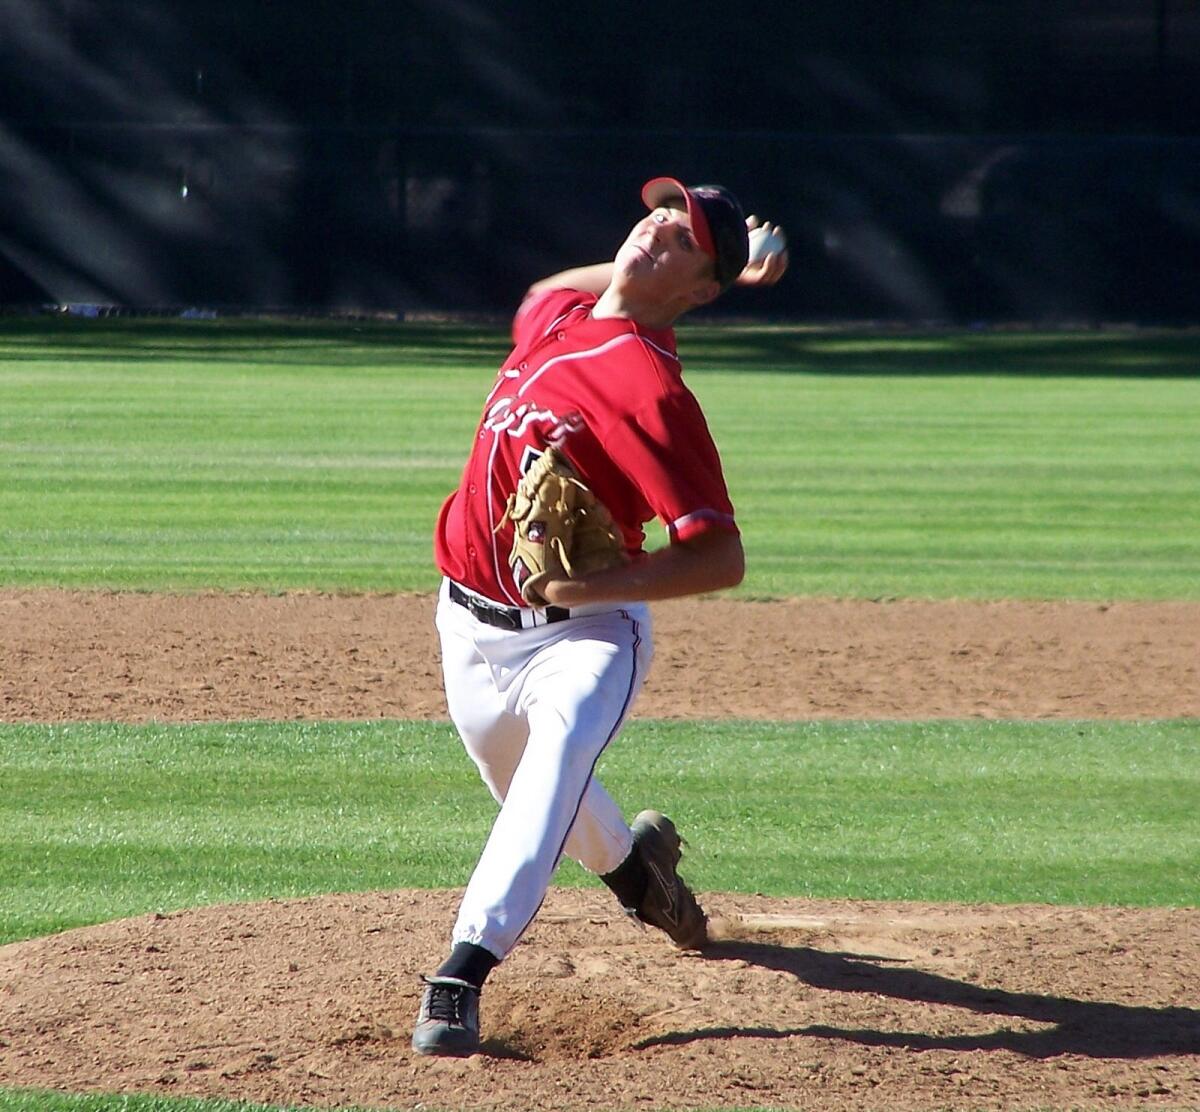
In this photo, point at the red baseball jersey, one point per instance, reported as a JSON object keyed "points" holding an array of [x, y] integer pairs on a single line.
{"points": [[610, 394]]}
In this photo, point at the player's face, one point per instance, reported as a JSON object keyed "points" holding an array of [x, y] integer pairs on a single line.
{"points": [[660, 259]]}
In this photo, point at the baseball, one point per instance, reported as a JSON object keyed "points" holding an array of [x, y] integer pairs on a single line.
{"points": [[764, 243]]}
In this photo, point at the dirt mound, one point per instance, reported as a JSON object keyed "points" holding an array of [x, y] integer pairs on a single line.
{"points": [[797, 1004], [69, 656], [801, 1004]]}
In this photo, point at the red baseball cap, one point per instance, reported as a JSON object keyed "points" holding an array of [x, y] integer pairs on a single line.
{"points": [[717, 220]]}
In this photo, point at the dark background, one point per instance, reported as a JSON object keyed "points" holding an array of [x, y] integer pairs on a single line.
{"points": [[934, 160]]}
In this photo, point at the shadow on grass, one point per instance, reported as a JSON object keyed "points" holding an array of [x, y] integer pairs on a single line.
{"points": [[1115, 354], [1095, 1030], [772, 349], [324, 343]]}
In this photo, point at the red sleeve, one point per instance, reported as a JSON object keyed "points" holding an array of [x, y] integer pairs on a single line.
{"points": [[537, 314], [667, 451]]}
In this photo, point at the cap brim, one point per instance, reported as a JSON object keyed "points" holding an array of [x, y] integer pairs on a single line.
{"points": [[661, 191]]}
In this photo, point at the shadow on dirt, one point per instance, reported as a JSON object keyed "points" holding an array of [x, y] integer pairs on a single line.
{"points": [[505, 1048], [1096, 1030]]}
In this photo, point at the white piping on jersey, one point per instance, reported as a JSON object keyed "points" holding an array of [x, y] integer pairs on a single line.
{"points": [[651, 343], [499, 383], [492, 524], [588, 354], [701, 515], [668, 354], [559, 320]]}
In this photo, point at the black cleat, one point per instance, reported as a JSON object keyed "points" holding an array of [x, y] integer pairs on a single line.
{"points": [[668, 903], [448, 1022]]}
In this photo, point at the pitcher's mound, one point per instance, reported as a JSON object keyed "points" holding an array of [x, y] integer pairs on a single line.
{"points": [[797, 1004]]}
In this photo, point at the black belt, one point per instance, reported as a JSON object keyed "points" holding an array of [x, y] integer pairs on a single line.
{"points": [[503, 617]]}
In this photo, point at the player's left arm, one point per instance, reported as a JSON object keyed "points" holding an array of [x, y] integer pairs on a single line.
{"points": [[666, 447], [709, 561]]}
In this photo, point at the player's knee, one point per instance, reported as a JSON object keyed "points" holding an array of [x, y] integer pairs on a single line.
{"points": [[574, 753]]}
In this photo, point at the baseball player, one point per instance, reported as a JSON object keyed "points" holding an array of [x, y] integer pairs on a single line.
{"points": [[538, 691]]}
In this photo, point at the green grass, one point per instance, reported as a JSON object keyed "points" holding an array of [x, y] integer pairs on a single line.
{"points": [[233, 454], [41, 1100], [31, 1100], [101, 821]]}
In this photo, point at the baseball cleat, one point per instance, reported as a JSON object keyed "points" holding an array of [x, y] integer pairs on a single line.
{"points": [[668, 903], [448, 1022]]}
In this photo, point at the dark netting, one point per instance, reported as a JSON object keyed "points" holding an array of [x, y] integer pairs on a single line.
{"points": [[952, 161]]}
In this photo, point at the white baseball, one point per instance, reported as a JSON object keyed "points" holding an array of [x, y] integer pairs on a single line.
{"points": [[764, 243]]}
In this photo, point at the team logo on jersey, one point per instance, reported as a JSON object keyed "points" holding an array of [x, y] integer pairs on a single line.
{"points": [[571, 423], [503, 416]]}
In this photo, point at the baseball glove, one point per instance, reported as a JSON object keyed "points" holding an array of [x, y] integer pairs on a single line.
{"points": [[561, 529]]}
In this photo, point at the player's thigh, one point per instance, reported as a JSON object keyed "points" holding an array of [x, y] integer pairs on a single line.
{"points": [[582, 687], [493, 736]]}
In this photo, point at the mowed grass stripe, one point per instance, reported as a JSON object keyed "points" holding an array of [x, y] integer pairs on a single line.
{"points": [[102, 821], [168, 455], [934, 486]]}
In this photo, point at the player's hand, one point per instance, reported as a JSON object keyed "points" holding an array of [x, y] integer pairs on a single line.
{"points": [[770, 268], [553, 590]]}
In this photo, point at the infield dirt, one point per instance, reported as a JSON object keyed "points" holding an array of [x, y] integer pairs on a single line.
{"points": [[69, 656], [799, 1003]]}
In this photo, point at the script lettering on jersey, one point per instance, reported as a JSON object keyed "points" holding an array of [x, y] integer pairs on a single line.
{"points": [[503, 416]]}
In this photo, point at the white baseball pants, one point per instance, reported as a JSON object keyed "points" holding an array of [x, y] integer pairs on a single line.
{"points": [[535, 708]]}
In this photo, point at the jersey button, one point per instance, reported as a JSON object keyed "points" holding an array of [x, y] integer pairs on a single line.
{"points": [[472, 489], [524, 366], [471, 551], [562, 335]]}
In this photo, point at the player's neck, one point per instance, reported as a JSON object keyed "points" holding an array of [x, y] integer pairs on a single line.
{"points": [[655, 315]]}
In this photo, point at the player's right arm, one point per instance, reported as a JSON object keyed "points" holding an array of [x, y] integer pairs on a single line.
{"points": [[534, 308], [589, 279]]}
